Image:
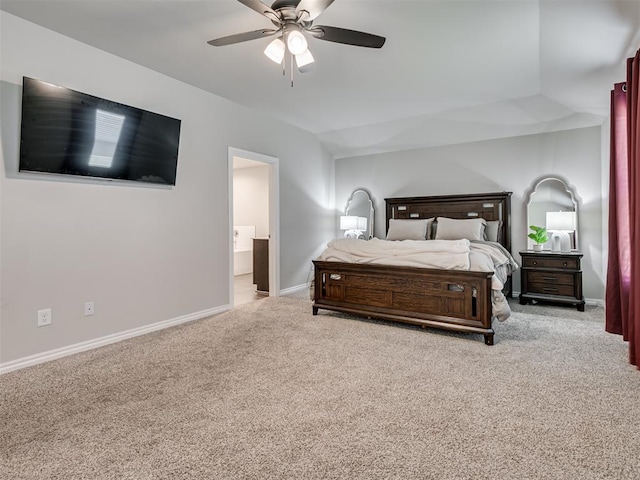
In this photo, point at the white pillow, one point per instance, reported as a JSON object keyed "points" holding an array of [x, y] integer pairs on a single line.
{"points": [[408, 229], [492, 230], [454, 229]]}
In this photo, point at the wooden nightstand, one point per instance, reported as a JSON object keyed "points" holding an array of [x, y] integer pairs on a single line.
{"points": [[552, 277]]}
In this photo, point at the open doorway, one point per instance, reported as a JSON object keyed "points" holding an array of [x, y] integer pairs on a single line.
{"points": [[253, 221]]}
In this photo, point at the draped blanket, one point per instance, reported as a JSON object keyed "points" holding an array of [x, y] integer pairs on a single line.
{"points": [[439, 254]]}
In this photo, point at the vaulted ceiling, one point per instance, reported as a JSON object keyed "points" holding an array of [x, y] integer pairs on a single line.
{"points": [[451, 71]]}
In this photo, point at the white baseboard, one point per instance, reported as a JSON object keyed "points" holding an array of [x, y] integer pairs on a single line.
{"points": [[594, 301], [106, 340], [298, 288]]}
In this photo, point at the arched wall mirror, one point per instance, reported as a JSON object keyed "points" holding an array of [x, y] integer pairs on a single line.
{"points": [[552, 203], [358, 215]]}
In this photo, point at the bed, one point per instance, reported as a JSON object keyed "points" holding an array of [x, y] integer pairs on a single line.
{"points": [[456, 300]]}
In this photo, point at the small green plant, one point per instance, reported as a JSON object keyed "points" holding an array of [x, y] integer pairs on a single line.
{"points": [[539, 234]]}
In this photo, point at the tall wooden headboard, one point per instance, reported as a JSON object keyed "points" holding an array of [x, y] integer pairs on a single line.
{"points": [[490, 206]]}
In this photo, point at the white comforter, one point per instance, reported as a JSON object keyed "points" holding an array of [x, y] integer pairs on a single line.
{"points": [[441, 254]]}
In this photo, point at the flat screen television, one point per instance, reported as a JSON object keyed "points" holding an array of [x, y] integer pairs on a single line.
{"points": [[71, 133]]}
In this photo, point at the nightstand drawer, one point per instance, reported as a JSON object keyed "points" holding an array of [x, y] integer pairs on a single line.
{"points": [[550, 289], [550, 278], [546, 262]]}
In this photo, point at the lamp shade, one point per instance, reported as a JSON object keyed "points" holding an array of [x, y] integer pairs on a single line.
{"points": [[561, 221], [362, 223], [348, 222], [296, 43], [275, 50], [304, 59]]}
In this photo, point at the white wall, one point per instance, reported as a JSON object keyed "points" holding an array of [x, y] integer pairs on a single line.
{"points": [[510, 164], [251, 198], [143, 254]]}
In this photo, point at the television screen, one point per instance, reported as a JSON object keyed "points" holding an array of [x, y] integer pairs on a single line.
{"points": [[72, 133]]}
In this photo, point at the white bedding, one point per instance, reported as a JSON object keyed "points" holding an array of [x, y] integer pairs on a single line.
{"points": [[440, 254]]}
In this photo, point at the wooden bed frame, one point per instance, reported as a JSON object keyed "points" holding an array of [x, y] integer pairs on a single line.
{"points": [[447, 299]]}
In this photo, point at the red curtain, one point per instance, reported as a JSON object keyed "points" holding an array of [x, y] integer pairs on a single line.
{"points": [[623, 275], [633, 121], [619, 262]]}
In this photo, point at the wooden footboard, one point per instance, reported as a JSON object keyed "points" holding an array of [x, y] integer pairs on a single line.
{"points": [[446, 299]]}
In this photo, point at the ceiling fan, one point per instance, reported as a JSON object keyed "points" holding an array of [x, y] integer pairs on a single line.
{"points": [[293, 18]]}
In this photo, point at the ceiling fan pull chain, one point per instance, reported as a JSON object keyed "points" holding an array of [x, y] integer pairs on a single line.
{"points": [[291, 67]]}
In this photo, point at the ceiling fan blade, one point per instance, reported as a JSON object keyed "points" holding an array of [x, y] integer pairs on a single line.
{"points": [[261, 8], [350, 37], [242, 37], [312, 7]]}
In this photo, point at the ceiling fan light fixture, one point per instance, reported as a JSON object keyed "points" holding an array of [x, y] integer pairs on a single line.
{"points": [[275, 50], [304, 58], [292, 20], [296, 42]]}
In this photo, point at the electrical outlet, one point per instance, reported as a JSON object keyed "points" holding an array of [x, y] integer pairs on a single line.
{"points": [[89, 309], [44, 317]]}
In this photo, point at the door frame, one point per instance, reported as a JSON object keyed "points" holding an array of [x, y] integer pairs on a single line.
{"points": [[274, 218]]}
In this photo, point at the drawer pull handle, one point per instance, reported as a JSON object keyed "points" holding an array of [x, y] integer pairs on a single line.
{"points": [[549, 278], [335, 276], [550, 289], [565, 264], [535, 263]]}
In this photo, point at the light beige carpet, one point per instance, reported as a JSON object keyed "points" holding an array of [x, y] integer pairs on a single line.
{"points": [[268, 391]]}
